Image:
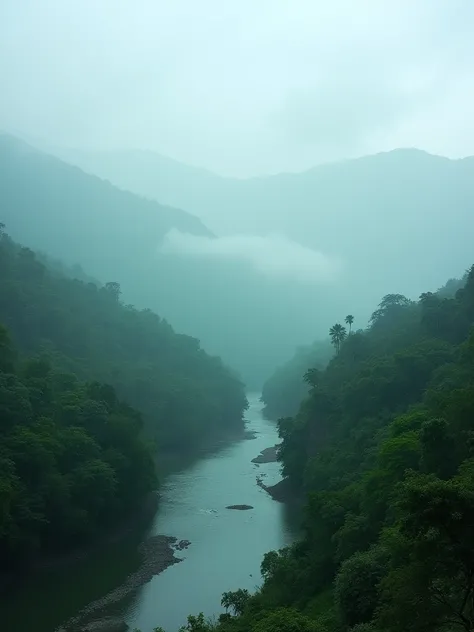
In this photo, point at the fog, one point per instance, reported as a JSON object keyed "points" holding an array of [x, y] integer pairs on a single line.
{"points": [[243, 88], [274, 255]]}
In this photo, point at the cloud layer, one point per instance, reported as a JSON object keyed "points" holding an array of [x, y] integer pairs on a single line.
{"points": [[243, 87], [273, 255]]}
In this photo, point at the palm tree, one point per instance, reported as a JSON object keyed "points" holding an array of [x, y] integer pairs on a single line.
{"points": [[338, 334], [349, 320]]}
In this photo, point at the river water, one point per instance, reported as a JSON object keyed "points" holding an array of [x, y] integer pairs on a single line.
{"points": [[226, 548]]}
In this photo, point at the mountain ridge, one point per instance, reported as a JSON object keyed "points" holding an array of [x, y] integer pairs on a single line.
{"points": [[68, 153], [10, 143], [296, 204]]}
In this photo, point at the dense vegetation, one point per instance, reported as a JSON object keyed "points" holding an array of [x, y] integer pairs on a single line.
{"points": [[383, 448], [72, 459], [285, 389], [183, 393]]}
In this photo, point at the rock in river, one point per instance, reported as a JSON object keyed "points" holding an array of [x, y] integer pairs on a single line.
{"points": [[241, 507]]}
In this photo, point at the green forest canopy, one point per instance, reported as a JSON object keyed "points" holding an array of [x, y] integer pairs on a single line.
{"points": [[382, 448], [72, 458], [285, 389]]}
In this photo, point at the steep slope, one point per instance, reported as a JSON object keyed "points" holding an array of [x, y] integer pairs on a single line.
{"points": [[46, 201], [286, 388], [183, 393]]}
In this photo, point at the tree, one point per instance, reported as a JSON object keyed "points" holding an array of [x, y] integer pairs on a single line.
{"points": [[338, 334], [235, 600], [438, 448], [113, 289], [311, 377], [6, 351], [357, 586], [196, 624], [433, 586], [391, 300], [284, 620], [391, 304], [349, 321]]}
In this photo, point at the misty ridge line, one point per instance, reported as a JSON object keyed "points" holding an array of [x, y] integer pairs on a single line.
{"points": [[273, 255], [365, 218], [88, 158]]}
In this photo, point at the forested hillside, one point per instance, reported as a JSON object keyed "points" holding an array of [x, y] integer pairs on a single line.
{"points": [[382, 447], [82, 328], [39, 191], [286, 388], [72, 458], [284, 391]]}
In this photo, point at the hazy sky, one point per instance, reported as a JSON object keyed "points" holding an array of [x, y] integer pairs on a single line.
{"points": [[241, 87]]}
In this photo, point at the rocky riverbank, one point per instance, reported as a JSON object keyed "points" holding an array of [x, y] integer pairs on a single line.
{"points": [[281, 491], [157, 553], [269, 455]]}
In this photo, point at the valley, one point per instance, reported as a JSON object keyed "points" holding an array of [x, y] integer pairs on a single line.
{"points": [[338, 500], [225, 547]]}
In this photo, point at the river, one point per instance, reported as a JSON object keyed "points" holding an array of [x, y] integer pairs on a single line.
{"points": [[226, 547]]}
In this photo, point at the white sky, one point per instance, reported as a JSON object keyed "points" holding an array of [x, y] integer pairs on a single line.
{"points": [[242, 87]]}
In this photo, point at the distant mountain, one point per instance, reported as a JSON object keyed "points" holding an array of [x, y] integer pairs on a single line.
{"points": [[251, 321], [141, 171], [164, 179], [400, 218], [58, 208]]}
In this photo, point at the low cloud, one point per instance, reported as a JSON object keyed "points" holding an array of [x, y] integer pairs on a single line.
{"points": [[272, 255]]}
